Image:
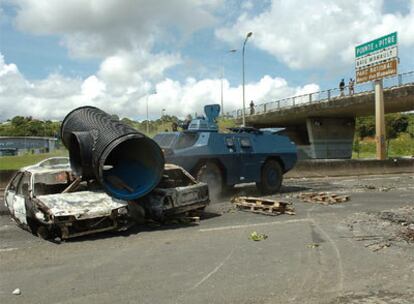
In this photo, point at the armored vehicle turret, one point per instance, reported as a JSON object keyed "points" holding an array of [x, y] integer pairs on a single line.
{"points": [[243, 155]]}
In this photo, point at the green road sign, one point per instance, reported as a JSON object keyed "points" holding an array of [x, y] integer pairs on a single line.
{"points": [[376, 45]]}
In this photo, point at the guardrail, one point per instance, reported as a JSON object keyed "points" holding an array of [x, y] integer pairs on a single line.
{"points": [[323, 96]]}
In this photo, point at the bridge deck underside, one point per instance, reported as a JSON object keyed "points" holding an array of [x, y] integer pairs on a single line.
{"points": [[399, 99]]}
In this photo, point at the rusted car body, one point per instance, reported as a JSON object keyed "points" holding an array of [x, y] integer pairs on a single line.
{"points": [[48, 200], [35, 200]]}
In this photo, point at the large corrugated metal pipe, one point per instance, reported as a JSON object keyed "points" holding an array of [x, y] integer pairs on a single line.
{"points": [[127, 163]]}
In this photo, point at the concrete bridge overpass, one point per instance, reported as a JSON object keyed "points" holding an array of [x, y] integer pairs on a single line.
{"points": [[322, 124]]}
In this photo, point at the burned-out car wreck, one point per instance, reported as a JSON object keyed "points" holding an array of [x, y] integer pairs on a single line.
{"points": [[114, 177], [50, 201]]}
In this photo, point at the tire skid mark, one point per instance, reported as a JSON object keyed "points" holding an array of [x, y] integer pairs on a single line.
{"points": [[219, 266], [307, 276], [340, 284]]}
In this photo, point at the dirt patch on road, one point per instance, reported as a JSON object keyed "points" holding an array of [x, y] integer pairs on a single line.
{"points": [[379, 230], [378, 298]]}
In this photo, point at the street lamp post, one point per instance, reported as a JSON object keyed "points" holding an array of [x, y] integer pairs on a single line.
{"points": [[151, 93], [249, 34], [221, 81], [147, 117]]}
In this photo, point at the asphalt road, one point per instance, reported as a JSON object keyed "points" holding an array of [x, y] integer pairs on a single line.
{"points": [[310, 257]]}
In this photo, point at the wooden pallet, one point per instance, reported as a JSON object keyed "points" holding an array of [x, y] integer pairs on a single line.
{"points": [[262, 206], [324, 198]]}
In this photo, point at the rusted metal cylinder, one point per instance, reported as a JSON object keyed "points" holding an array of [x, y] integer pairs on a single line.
{"points": [[127, 163]]}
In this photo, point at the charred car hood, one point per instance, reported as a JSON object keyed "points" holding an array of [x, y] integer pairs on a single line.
{"points": [[84, 204]]}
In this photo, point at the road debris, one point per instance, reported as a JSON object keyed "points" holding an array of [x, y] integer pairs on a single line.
{"points": [[364, 237], [378, 245], [183, 219], [262, 206], [17, 292], [254, 236], [407, 234], [380, 189], [380, 230], [323, 198], [402, 216]]}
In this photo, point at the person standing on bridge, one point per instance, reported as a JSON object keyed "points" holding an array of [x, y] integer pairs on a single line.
{"points": [[351, 86], [251, 107], [342, 86]]}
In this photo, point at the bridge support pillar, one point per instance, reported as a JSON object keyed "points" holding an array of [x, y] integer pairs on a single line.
{"points": [[330, 137]]}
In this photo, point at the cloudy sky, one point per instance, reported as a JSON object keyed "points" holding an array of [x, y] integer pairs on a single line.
{"points": [[56, 55]]}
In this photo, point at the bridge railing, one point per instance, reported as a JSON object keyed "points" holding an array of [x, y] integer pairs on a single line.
{"points": [[323, 96]]}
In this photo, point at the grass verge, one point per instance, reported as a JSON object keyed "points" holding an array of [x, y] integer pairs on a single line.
{"points": [[397, 147], [16, 162]]}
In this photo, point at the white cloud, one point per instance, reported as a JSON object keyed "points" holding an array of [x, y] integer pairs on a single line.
{"points": [[318, 33], [120, 33], [96, 28], [191, 96], [54, 96], [92, 87], [247, 5], [126, 70]]}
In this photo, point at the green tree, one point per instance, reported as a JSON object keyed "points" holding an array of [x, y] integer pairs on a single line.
{"points": [[365, 126], [27, 126], [395, 124]]}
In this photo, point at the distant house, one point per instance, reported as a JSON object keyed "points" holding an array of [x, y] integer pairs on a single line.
{"points": [[16, 145]]}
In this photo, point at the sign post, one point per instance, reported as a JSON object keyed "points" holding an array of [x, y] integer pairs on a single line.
{"points": [[375, 60], [379, 120]]}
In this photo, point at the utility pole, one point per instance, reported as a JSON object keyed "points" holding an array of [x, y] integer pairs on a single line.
{"points": [[379, 120]]}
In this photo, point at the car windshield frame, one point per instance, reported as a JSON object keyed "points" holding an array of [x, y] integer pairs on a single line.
{"points": [[59, 182]]}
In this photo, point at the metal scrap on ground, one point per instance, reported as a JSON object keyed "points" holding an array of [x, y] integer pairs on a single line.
{"points": [[263, 206], [324, 198]]}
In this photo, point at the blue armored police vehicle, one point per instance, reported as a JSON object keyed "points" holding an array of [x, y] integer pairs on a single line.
{"points": [[243, 155]]}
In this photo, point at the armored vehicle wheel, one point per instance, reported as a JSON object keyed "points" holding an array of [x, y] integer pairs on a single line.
{"points": [[271, 177], [210, 174]]}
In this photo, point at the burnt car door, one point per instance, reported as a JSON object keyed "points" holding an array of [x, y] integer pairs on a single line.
{"points": [[11, 190], [18, 200]]}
